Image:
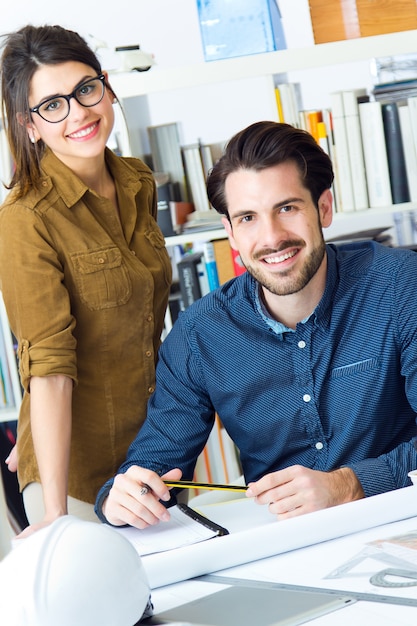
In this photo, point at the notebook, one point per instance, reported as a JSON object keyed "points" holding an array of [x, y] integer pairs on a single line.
{"points": [[254, 606]]}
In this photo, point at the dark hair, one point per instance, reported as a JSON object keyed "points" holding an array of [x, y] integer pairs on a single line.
{"points": [[24, 52], [265, 144]]}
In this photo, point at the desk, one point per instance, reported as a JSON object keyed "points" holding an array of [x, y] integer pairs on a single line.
{"points": [[308, 566], [359, 614]]}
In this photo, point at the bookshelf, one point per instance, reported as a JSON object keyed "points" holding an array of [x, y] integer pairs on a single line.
{"points": [[343, 224], [130, 84], [137, 87]]}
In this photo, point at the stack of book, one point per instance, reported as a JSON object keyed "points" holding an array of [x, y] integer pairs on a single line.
{"points": [[395, 91], [202, 220], [205, 267], [186, 168], [372, 141]]}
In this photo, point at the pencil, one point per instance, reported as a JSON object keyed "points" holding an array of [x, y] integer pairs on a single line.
{"points": [[189, 484]]}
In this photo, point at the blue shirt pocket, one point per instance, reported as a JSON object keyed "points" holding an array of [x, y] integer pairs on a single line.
{"points": [[352, 369]]}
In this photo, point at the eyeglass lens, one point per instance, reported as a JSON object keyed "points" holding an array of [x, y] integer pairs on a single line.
{"points": [[88, 94]]}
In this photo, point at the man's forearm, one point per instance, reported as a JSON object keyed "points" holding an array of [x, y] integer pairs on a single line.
{"points": [[346, 485]]}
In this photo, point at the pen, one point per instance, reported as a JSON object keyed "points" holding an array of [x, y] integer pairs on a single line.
{"points": [[189, 484]]}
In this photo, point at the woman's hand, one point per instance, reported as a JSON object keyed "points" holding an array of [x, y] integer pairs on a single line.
{"points": [[11, 460], [30, 530]]}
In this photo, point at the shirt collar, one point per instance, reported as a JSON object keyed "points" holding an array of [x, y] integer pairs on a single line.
{"points": [[322, 312], [70, 188]]}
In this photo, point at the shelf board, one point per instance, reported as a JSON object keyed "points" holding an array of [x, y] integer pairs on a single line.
{"points": [[202, 235], [343, 224], [130, 84]]}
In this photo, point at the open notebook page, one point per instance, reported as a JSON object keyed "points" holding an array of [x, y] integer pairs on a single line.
{"points": [[181, 530]]}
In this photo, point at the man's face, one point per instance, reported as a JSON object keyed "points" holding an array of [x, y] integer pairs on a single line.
{"points": [[276, 227]]}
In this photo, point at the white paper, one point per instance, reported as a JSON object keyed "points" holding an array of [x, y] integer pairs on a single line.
{"points": [[237, 514], [180, 530], [279, 537]]}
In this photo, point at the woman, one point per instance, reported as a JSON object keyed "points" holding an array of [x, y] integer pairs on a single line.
{"points": [[83, 269]]}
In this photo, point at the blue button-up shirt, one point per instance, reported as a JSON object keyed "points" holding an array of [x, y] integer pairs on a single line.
{"points": [[339, 390]]}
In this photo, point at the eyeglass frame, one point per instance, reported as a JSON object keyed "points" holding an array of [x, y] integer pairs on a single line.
{"points": [[68, 98]]}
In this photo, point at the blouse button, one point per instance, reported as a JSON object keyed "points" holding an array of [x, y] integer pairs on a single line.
{"points": [[306, 397], [301, 344], [319, 445]]}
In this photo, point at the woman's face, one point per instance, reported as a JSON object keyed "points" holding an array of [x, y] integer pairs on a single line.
{"points": [[83, 134]]}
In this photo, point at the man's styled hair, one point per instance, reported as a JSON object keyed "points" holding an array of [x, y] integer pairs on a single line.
{"points": [[265, 144]]}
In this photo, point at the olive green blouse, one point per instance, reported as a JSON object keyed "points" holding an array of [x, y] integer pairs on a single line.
{"points": [[85, 291]]}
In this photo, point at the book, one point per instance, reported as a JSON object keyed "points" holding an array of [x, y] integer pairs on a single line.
{"points": [[180, 211], [343, 168], [412, 217], [164, 194], [375, 154], [166, 154], [314, 118], [291, 102], [410, 152], [412, 109], [400, 228], [278, 100], [185, 528], [395, 153], [188, 275], [206, 158], [395, 91], [322, 137], [355, 148], [329, 147], [202, 220], [211, 265], [203, 276], [224, 260], [195, 177], [238, 266]]}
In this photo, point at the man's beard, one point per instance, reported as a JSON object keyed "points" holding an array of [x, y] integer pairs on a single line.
{"points": [[283, 284]]}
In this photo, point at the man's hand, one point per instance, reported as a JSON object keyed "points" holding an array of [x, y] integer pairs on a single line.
{"points": [[297, 490], [135, 496]]}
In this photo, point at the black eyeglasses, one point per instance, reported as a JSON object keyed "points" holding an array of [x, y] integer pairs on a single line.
{"points": [[88, 94]]}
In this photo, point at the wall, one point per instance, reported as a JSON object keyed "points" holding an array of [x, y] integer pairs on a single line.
{"points": [[167, 28]]}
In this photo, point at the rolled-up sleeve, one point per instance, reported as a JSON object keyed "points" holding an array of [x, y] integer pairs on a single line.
{"points": [[36, 300]]}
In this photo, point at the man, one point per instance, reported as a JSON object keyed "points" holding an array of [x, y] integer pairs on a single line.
{"points": [[309, 358]]}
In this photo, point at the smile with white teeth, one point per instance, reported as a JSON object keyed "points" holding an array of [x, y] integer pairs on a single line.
{"points": [[84, 132], [281, 258]]}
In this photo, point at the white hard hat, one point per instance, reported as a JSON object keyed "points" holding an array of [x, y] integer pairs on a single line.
{"points": [[73, 573]]}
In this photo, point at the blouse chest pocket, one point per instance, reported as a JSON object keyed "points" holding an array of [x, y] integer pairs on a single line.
{"points": [[102, 278]]}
